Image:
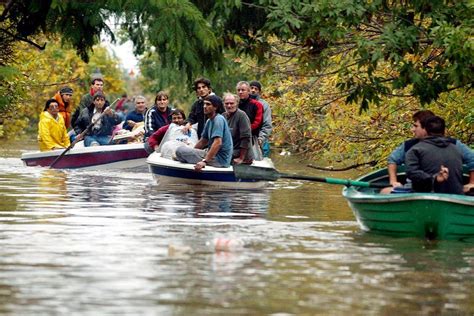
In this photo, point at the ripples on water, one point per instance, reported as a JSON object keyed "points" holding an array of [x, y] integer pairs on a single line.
{"points": [[98, 243]]}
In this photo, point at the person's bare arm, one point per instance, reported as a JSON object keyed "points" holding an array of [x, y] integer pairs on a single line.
{"points": [[392, 174], [201, 143]]}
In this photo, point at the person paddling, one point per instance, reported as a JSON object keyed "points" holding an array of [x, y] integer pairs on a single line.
{"points": [[101, 131]]}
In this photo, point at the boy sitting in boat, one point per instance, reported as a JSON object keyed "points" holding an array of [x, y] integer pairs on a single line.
{"points": [[100, 121], [435, 163]]}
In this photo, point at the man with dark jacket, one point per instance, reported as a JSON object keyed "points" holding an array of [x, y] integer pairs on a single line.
{"points": [[159, 115], [252, 107], [435, 163], [397, 157], [97, 84], [104, 120]]}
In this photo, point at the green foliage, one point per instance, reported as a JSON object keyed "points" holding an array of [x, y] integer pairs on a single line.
{"points": [[427, 44], [155, 76], [37, 75], [312, 119]]}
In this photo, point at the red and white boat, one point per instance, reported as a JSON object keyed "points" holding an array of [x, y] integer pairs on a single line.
{"points": [[95, 157]]}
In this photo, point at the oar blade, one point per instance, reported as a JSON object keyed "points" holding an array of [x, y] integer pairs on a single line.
{"points": [[244, 171]]}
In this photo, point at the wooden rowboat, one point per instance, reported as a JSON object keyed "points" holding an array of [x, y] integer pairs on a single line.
{"points": [[426, 215]]}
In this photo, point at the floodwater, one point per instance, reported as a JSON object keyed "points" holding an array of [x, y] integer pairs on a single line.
{"points": [[114, 243]]}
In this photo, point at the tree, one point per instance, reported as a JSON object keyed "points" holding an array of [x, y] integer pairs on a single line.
{"points": [[38, 75], [381, 46]]}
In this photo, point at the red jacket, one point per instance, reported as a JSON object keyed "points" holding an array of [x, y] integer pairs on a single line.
{"points": [[157, 137], [64, 110]]}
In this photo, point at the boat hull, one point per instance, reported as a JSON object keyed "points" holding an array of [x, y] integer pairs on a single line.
{"points": [[97, 157], [170, 172], [426, 215]]}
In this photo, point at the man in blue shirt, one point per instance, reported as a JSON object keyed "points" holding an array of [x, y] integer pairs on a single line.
{"points": [[215, 146], [136, 116]]}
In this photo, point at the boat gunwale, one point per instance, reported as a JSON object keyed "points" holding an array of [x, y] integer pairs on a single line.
{"points": [[358, 197], [353, 194], [157, 160], [82, 150]]}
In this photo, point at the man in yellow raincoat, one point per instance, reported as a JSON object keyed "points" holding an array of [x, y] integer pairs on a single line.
{"points": [[52, 133]]}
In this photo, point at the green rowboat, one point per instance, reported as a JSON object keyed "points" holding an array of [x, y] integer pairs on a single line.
{"points": [[426, 215]]}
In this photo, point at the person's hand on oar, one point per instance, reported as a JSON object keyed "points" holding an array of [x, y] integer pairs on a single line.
{"points": [[83, 134]]}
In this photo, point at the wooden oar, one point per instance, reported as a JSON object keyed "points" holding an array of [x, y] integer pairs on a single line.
{"points": [[80, 136], [243, 171]]}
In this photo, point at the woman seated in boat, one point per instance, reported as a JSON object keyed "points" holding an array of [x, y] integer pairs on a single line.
{"points": [[52, 133], [169, 137], [98, 122]]}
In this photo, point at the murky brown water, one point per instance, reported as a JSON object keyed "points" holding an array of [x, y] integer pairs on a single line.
{"points": [[113, 243]]}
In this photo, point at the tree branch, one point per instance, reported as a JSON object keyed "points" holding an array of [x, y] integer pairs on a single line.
{"points": [[370, 163], [23, 39]]}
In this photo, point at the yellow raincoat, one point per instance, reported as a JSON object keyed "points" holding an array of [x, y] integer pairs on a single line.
{"points": [[52, 133]]}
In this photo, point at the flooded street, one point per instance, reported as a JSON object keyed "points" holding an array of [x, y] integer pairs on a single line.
{"points": [[114, 243]]}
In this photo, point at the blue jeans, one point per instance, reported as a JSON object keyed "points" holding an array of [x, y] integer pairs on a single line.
{"points": [[101, 140], [266, 149]]}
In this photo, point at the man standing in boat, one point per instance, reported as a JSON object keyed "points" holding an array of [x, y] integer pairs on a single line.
{"points": [[215, 146], [254, 111], [63, 97], [202, 86], [52, 133], [267, 127], [435, 163], [97, 85]]}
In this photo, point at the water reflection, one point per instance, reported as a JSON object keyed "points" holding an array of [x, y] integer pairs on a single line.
{"points": [[52, 185], [83, 242], [415, 268], [195, 202]]}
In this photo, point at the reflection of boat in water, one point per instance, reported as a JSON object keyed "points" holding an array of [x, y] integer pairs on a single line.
{"points": [[95, 157], [167, 171], [428, 215]]}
